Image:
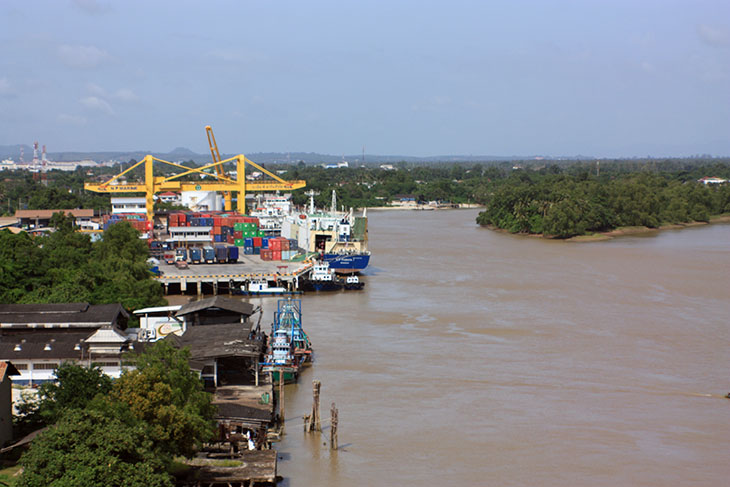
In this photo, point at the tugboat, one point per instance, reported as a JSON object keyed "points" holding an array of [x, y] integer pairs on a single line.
{"points": [[322, 278], [290, 349]]}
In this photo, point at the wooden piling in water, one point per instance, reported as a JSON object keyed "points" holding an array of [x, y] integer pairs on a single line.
{"points": [[333, 427], [314, 418]]}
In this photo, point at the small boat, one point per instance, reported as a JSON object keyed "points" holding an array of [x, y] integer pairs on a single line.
{"points": [[353, 283], [261, 287], [322, 278]]}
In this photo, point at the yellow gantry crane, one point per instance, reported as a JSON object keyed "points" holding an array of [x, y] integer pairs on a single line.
{"points": [[156, 184]]}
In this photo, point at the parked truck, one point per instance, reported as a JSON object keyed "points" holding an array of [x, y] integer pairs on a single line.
{"points": [[232, 254], [221, 254], [209, 254], [195, 255]]}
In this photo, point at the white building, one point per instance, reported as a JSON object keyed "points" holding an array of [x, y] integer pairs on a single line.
{"points": [[202, 200], [129, 205]]}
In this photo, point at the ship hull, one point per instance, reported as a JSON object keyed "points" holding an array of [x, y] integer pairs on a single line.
{"points": [[347, 263]]}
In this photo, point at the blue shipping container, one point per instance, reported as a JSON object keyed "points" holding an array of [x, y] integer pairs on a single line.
{"points": [[248, 251], [248, 242], [264, 242], [232, 253], [256, 250]]}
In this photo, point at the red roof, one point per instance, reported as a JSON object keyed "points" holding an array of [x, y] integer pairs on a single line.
{"points": [[7, 368]]}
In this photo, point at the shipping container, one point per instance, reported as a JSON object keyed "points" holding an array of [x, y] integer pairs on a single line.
{"points": [[195, 255], [238, 242], [221, 254], [276, 255], [209, 254], [248, 250], [257, 242], [248, 242], [232, 253], [264, 242]]}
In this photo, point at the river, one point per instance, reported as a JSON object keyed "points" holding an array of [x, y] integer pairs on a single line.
{"points": [[481, 358]]}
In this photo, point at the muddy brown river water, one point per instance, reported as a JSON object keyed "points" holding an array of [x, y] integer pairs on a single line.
{"points": [[480, 358]]}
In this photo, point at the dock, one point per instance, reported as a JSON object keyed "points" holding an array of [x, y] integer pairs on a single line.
{"points": [[256, 467], [228, 278]]}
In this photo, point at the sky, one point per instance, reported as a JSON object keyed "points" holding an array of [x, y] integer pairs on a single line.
{"points": [[604, 78]]}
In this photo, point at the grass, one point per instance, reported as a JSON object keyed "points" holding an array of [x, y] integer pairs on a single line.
{"points": [[8, 475]]}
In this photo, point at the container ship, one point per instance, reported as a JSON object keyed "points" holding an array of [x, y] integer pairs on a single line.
{"points": [[339, 237]]}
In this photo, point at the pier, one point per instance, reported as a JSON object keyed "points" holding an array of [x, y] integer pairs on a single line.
{"points": [[228, 278]]}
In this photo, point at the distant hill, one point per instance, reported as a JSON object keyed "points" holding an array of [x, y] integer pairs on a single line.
{"points": [[185, 154]]}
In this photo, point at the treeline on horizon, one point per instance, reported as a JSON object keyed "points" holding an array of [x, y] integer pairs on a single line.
{"points": [[556, 198]]}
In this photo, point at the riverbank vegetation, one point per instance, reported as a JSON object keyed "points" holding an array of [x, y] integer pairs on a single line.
{"points": [[566, 205], [123, 432]]}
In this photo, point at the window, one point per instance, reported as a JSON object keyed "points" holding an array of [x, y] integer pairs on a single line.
{"points": [[45, 366], [21, 366], [106, 364]]}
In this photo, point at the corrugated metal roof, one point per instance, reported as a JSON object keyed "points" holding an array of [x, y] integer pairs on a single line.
{"points": [[45, 214], [215, 341], [71, 314], [237, 306]]}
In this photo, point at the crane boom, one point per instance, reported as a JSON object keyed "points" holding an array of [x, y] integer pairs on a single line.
{"points": [[227, 197]]}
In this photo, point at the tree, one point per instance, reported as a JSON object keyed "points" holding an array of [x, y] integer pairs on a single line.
{"points": [[169, 398], [90, 448]]}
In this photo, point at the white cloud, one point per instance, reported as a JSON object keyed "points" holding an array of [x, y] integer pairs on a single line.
{"points": [[6, 88], [97, 104], [713, 36], [125, 94], [83, 57], [431, 104], [93, 6], [647, 67], [71, 119], [95, 90]]}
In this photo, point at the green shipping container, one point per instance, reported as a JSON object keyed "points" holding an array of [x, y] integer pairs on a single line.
{"points": [[238, 242]]}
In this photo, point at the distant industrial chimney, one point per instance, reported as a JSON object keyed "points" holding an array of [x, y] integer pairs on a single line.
{"points": [[35, 152]]}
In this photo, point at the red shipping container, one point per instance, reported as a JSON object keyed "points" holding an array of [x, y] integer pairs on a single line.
{"points": [[275, 244], [266, 254], [231, 240], [238, 234], [284, 244], [217, 230], [257, 241], [276, 255], [217, 221]]}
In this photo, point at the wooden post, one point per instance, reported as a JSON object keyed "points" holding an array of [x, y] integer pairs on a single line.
{"points": [[281, 396], [333, 427], [314, 418]]}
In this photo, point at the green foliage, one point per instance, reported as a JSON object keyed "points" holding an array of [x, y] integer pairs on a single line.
{"points": [[125, 433], [75, 387], [574, 202], [169, 398], [89, 448], [66, 266]]}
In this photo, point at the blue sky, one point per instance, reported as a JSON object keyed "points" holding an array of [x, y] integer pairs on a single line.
{"points": [[423, 78]]}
